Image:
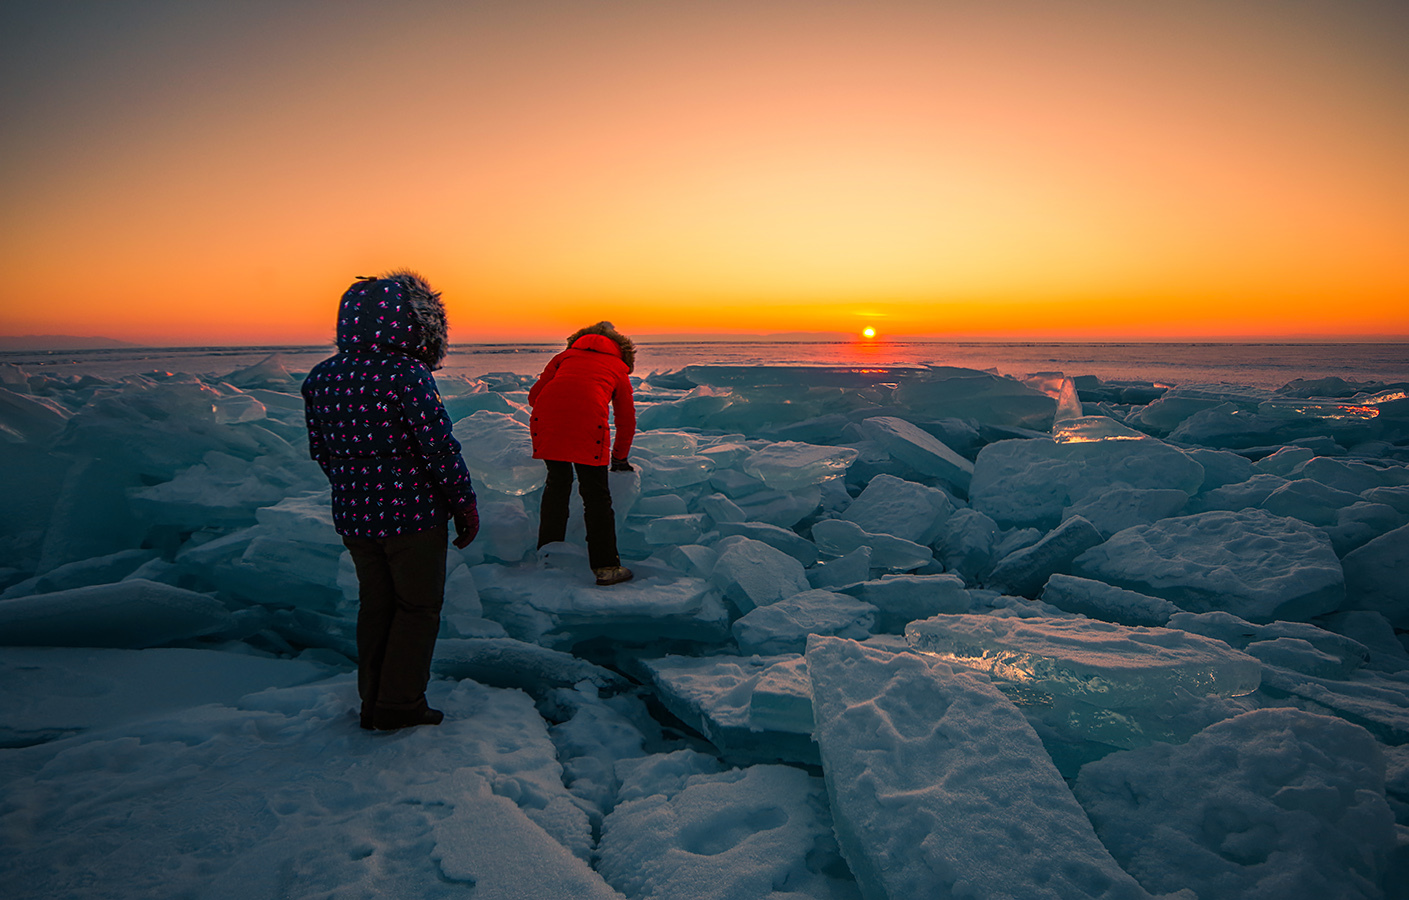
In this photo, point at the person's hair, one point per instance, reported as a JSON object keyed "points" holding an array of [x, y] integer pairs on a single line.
{"points": [[607, 329]]}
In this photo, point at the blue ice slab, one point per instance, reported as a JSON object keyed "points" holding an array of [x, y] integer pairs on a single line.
{"points": [[1024, 572], [920, 450], [905, 509], [1099, 600], [751, 573], [714, 695], [786, 540], [1113, 666], [498, 451], [559, 608], [128, 614], [783, 627], [940, 788], [840, 537], [505, 662], [791, 465], [901, 599], [1251, 563], [951, 392], [1030, 482]]}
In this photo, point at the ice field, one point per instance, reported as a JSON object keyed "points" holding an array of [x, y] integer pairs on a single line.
{"points": [[895, 632]]}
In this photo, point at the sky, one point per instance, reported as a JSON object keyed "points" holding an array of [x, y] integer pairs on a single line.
{"points": [[195, 172]]}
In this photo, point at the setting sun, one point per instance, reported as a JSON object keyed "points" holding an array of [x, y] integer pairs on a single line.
{"points": [[868, 332]]}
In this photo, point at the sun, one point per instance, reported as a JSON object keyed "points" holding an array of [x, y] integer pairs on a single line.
{"points": [[868, 332]]}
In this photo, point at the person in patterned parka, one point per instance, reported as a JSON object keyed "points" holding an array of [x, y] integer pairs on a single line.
{"points": [[378, 429]]}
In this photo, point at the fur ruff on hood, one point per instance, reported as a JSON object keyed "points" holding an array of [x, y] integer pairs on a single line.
{"points": [[396, 311], [607, 329]]}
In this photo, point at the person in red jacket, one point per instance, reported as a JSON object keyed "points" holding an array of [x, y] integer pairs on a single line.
{"points": [[569, 429]]}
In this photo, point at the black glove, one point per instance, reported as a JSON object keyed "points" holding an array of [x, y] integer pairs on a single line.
{"points": [[621, 465], [466, 527]]}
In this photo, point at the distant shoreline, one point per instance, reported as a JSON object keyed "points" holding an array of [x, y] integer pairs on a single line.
{"points": [[18, 346], [65, 343]]}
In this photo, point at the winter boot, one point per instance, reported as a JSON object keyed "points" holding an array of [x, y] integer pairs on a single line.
{"points": [[612, 574]]}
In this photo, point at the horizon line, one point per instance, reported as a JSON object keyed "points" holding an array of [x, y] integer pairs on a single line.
{"points": [[55, 342]]}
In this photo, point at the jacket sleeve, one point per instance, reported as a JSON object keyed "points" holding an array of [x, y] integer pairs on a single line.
{"points": [[429, 426], [548, 372], [624, 411], [317, 445]]}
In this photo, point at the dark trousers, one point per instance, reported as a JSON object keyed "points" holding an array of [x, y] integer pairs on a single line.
{"points": [[401, 587], [596, 510]]}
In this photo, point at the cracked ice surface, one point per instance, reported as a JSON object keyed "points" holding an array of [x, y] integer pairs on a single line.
{"points": [[1251, 563], [939, 786]]}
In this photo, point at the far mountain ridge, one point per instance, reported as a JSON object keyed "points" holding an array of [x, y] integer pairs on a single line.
{"points": [[59, 342]]}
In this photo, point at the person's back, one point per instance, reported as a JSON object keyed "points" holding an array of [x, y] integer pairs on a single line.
{"points": [[585, 372], [378, 429], [571, 398], [376, 422], [569, 428]]}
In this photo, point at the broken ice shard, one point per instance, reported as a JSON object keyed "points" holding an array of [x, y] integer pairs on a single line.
{"points": [[1086, 429], [920, 450], [498, 451], [906, 509], [840, 537], [790, 465], [940, 788], [1114, 666]]}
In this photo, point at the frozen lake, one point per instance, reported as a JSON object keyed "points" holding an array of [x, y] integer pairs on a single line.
{"points": [[1266, 365], [895, 632]]}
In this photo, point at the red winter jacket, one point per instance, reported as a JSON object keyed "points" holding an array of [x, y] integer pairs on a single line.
{"points": [[569, 401]]}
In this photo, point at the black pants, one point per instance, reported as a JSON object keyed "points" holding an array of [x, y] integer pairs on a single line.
{"points": [[401, 587], [596, 510]]}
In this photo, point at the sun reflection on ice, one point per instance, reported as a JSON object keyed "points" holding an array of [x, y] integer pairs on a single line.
{"points": [[1089, 429]]}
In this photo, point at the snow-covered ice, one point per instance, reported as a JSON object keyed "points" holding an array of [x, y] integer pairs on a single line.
{"points": [[1030, 482], [760, 831], [784, 627], [1377, 576], [1025, 571], [901, 599], [838, 537], [904, 509], [1251, 563], [136, 613], [939, 787], [1099, 600], [714, 695], [920, 450], [1263, 805], [1175, 656]]}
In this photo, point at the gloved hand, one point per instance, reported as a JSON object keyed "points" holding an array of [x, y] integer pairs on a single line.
{"points": [[466, 527], [621, 465]]}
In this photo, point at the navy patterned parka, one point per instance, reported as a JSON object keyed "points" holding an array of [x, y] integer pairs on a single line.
{"points": [[376, 423]]}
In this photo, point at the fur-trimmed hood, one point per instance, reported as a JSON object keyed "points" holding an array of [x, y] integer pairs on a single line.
{"points": [[607, 329], [397, 312]]}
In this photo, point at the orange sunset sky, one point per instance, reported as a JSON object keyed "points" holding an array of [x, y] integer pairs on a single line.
{"points": [[196, 172]]}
